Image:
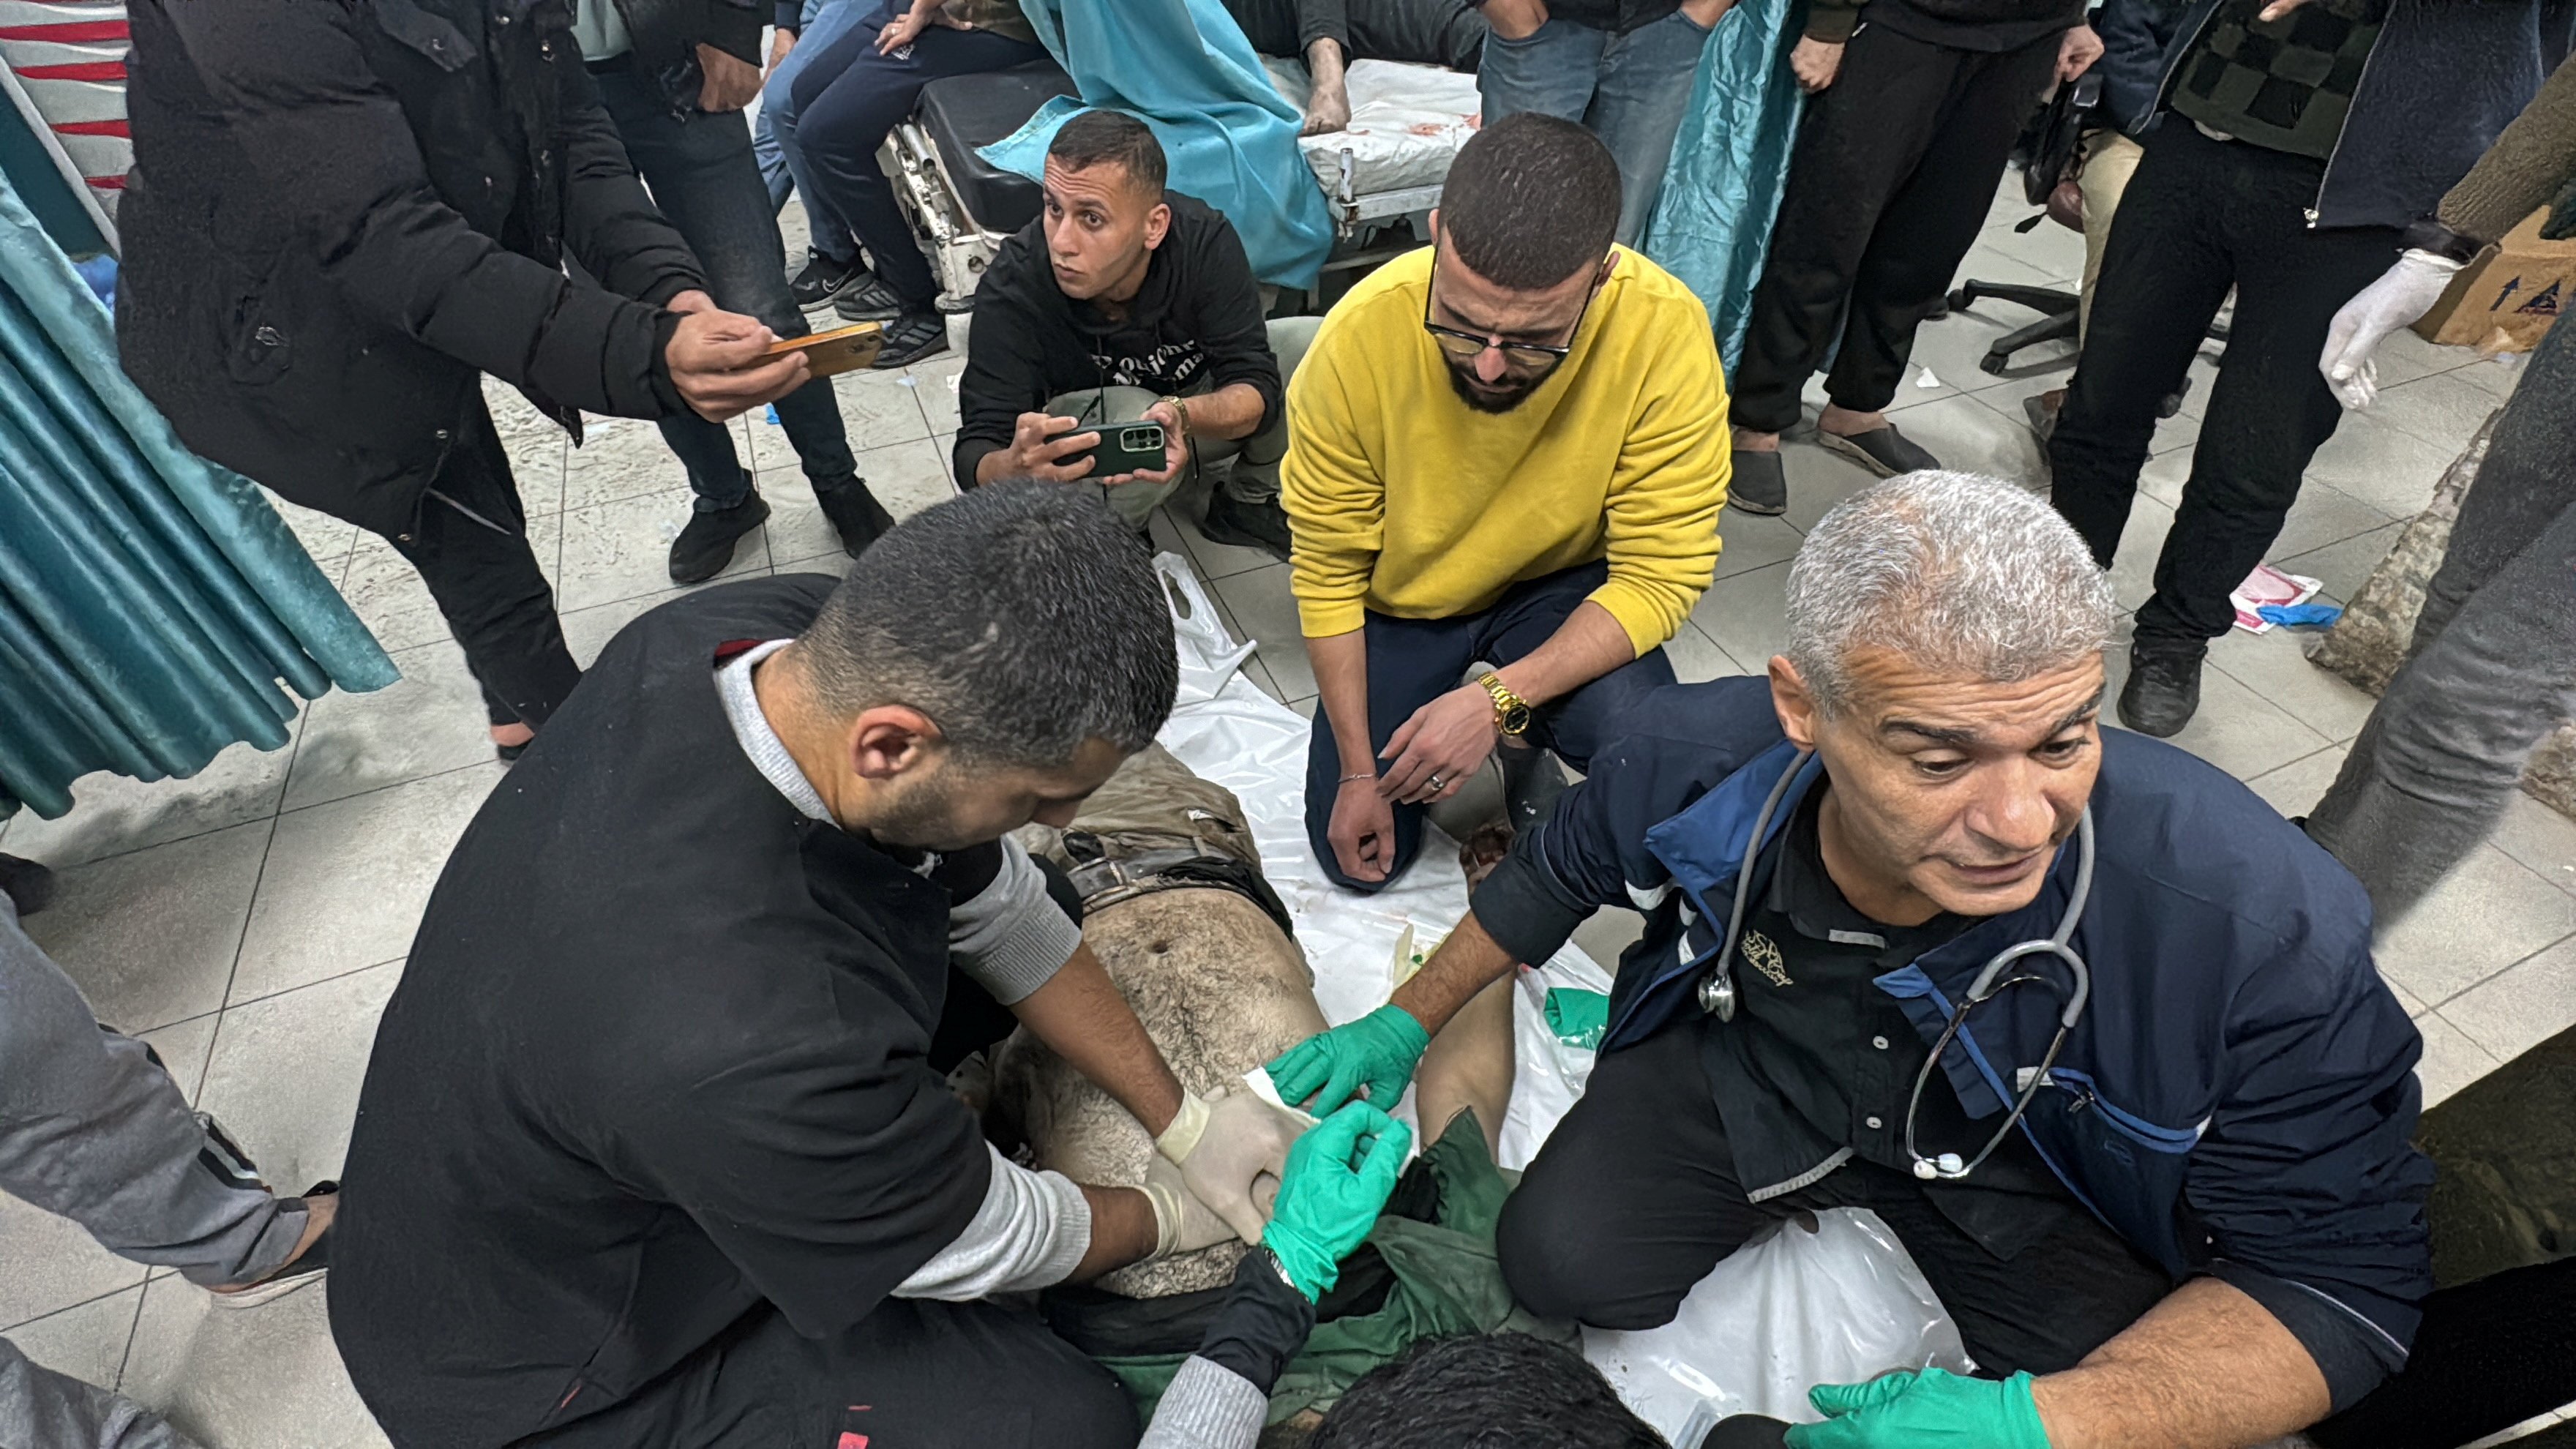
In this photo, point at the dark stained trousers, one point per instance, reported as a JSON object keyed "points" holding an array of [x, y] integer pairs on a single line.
{"points": [[1412, 662], [1895, 168], [470, 544], [1634, 1198], [2199, 217]]}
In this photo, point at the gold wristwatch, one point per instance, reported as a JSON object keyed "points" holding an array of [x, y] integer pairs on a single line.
{"points": [[1511, 712]]}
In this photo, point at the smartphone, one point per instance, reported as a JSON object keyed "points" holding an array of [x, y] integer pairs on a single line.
{"points": [[1123, 448], [843, 349]]}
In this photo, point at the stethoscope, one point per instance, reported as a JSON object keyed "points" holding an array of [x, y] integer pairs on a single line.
{"points": [[1717, 994]]}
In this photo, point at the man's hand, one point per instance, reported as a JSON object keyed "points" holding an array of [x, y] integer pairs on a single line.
{"points": [[1375, 1054], [1039, 444], [1176, 448], [719, 360], [2279, 8], [730, 83], [1183, 1221], [781, 42], [2404, 293], [1815, 62], [1337, 1182], [904, 29], [2076, 52], [1434, 753], [1223, 1146], [1926, 1409], [1515, 19], [1362, 830]]}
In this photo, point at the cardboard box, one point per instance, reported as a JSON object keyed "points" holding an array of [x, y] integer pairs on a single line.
{"points": [[2506, 299]]}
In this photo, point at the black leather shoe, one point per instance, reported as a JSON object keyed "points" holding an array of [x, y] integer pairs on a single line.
{"points": [[705, 547], [855, 513], [912, 337], [28, 885], [824, 279], [2163, 691], [1760, 485], [1883, 451], [1247, 525]]}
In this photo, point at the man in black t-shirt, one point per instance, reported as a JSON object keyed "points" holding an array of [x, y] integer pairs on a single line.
{"points": [[1121, 303]]}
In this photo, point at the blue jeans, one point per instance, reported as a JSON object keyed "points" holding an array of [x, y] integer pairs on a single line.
{"points": [[704, 179], [1631, 90], [773, 136], [1411, 662], [847, 102]]}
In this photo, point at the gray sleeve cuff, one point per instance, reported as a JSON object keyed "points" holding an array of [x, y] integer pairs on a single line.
{"points": [[1207, 1407], [1012, 937]]}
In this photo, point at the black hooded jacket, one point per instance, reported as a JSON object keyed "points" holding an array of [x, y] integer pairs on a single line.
{"points": [[340, 213]]}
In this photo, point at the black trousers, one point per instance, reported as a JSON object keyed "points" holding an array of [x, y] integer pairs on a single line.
{"points": [[1895, 167], [2199, 217], [470, 543], [1634, 1199], [912, 1374]]}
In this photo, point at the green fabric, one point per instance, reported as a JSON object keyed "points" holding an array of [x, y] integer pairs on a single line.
{"points": [[150, 603], [1446, 1283], [1377, 1052], [1332, 1193], [2284, 84], [1927, 1409], [1579, 1018]]}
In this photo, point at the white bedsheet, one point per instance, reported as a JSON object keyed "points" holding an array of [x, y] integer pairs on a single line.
{"points": [[1407, 123]]}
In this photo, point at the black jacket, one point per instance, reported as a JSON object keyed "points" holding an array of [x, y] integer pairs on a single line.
{"points": [[666, 35], [340, 213], [658, 1063], [1198, 316]]}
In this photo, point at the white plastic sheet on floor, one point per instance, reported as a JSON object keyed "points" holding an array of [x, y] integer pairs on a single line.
{"points": [[1838, 1305]]}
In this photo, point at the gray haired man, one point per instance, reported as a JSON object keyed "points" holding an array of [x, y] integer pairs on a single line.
{"points": [[2093, 1029], [92, 1128]]}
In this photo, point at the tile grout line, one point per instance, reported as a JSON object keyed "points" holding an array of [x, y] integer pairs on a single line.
{"points": [[57, 1312], [2518, 961], [133, 1331], [233, 973]]}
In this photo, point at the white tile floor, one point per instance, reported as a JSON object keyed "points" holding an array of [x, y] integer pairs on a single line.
{"points": [[252, 921]]}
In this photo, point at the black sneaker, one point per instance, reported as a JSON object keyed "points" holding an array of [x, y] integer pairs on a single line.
{"points": [[1261, 525], [2163, 691], [704, 548], [28, 885], [1759, 484], [824, 279], [912, 337], [855, 513], [1883, 451], [868, 299]]}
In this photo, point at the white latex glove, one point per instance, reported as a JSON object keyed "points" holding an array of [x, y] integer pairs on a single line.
{"points": [[1224, 1145], [1182, 1223], [2402, 294]]}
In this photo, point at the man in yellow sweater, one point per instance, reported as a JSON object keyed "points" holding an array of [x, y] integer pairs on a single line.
{"points": [[1509, 447]]}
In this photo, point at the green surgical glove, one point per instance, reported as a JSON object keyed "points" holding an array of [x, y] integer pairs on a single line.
{"points": [[1924, 1409], [1337, 1180], [1377, 1052]]}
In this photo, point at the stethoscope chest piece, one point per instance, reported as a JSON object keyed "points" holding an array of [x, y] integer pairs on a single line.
{"points": [[1717, 996]]}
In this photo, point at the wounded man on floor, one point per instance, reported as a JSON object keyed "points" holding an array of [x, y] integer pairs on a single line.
{"points": [[1175, 906]]}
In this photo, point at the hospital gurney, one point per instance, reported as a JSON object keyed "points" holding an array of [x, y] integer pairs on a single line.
{"points": [[1407, 123]]}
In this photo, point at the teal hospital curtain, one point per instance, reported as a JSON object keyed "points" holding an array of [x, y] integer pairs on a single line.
{"points": [[153, 608]]}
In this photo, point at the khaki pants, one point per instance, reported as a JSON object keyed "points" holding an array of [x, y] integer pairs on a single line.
{"points": [[2109, 160], [1254, 477]]}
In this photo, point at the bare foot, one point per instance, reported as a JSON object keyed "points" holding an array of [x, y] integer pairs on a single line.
{"points": [[1485, 848], [1753, 442], [1843, 422], [512, 734]]}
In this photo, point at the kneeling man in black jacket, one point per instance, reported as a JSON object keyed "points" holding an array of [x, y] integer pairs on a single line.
{"points": [[1125, 302], [341, 215]]}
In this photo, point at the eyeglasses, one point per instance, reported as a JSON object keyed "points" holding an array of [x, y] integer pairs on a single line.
{"points": [[1468, 346]]}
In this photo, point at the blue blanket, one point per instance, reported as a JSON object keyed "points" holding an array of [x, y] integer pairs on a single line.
{"points": [[1712, 221], [1184, 68]]}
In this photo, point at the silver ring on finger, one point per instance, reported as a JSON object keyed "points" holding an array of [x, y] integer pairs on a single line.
{"points": [[1436, 781]]}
